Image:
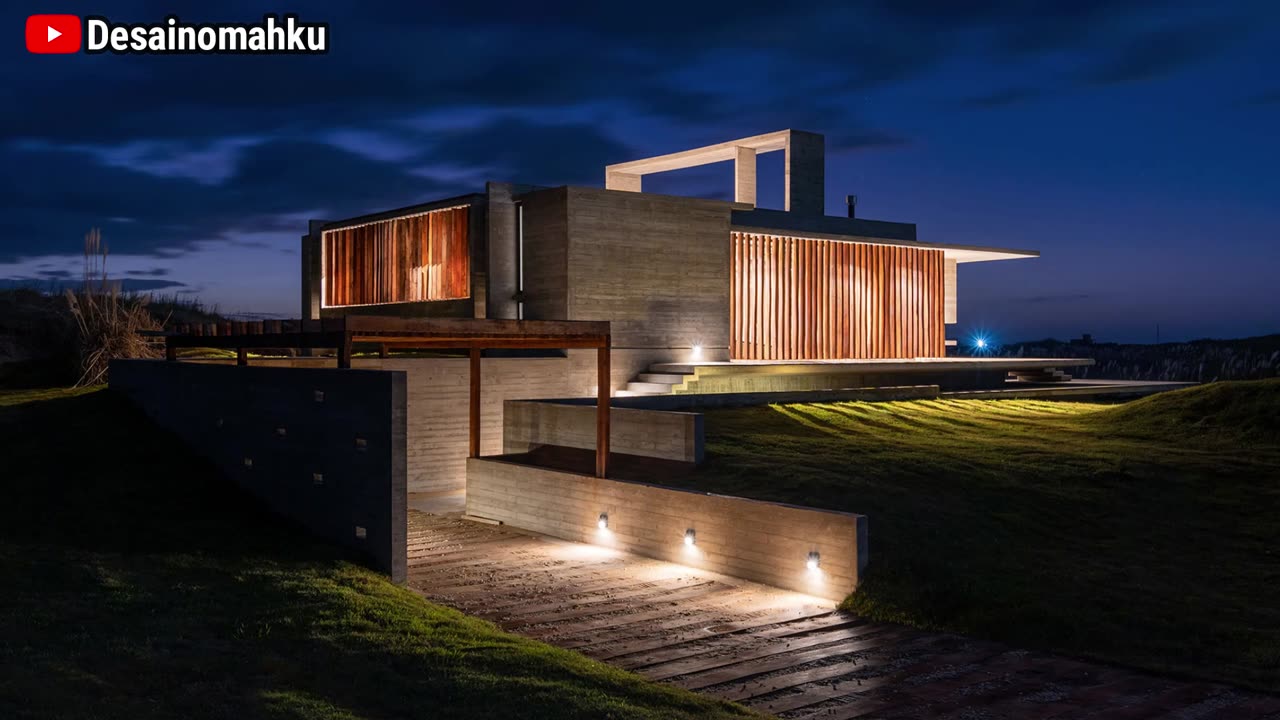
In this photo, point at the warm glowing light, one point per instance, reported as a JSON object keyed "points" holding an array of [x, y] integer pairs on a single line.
{"points": [[695, 352], [603, 521], [813, 561], [689, 537]]}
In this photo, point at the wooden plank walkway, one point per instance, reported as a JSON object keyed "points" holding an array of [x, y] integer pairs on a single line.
{"points": [[780, 652]]}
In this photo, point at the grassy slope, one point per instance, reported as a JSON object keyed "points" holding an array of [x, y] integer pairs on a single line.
{"points": [[137, 584], [1143, 533]]}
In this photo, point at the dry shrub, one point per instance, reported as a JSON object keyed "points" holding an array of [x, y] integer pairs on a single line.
{"points": [[109, 323]]}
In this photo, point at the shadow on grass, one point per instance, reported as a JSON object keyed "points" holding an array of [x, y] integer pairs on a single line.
{"points": [[139, 584]]}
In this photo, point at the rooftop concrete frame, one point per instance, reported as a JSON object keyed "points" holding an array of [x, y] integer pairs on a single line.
{"points": [[805, 172]]}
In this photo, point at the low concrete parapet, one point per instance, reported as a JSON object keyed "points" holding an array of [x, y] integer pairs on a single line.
{"points": [[764, 542], [529, 424], [322, 447]]}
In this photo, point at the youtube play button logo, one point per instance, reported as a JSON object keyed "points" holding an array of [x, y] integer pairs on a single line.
{"points": [[53, 34]]}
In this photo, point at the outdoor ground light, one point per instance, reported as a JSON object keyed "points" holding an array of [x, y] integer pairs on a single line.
{"points": [[814, 560], [603, 521], [689, 537]]}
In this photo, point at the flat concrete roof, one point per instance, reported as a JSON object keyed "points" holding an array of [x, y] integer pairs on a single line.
{"points": [[959, 253]]}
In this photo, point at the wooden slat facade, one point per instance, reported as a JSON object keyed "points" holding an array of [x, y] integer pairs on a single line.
{"points": [[808, 299], [408, 259]]}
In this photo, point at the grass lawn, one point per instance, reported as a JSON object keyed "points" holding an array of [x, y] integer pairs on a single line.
{"points": [[1146, 533], [137, 584]]}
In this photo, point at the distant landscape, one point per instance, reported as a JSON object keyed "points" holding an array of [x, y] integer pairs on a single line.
{"points": [[1255, 358]]}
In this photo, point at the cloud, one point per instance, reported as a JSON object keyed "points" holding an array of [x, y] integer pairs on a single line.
{"points": [[169, 154], [1158, 53], [51, 196], [153, 272]]}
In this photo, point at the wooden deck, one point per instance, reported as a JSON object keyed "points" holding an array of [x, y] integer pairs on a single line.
{"points": [[780, 652]]}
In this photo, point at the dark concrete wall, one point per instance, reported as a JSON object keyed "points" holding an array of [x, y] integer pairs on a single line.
{"points": [[546, 249], [323, 447], [855, 228], [655, 266]]}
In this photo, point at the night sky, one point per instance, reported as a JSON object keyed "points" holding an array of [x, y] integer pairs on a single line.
{"points": [[1135, 144]]}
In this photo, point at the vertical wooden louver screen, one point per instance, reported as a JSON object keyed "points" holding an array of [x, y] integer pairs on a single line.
{"points": [[407, 259], [805, 299]]}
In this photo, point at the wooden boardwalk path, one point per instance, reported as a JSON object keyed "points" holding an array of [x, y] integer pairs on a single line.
{"points": [[780, 652]]}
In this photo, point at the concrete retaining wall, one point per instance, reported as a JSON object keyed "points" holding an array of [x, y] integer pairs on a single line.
{"points": [[527, 425], [437, 391], [764, 542], [323, 447]]}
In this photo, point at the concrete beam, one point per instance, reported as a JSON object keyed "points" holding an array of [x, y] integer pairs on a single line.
{"points": [[805, 167], [613, 180]]}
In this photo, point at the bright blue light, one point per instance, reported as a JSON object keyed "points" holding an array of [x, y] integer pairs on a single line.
{"points": [[980, 343]]}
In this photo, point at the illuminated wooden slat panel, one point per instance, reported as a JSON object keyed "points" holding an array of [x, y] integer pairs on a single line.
{"points": [[418, 258], [806, 299]]}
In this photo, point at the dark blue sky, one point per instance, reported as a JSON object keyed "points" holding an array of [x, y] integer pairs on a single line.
{"points": [[1134, 143]]}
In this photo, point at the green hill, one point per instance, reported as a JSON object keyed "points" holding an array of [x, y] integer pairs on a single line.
{"points": [[1142, 533], [138, 584]]}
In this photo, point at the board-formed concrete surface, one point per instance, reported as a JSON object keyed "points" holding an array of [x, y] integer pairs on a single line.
{"points": [[761, 541], [780, 652]]}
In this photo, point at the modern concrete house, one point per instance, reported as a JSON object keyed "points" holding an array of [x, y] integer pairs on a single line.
{"points": [[685, 282], [574, 334]]}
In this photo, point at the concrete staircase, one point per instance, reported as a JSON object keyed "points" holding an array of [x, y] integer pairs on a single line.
{"points": [[1040, 375], [654, 383]]}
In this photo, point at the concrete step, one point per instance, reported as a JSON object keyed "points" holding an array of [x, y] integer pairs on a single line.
{"points": [[668, 378], [649, 388]]}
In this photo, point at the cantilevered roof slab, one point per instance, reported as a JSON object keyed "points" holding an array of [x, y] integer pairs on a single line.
{"points": [[958, 253]]}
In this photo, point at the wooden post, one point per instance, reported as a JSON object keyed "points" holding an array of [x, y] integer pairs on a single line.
{"points": [[242, 356], [344, 351], [475, 402], [170, 352], [603, 386], [382, 351]]}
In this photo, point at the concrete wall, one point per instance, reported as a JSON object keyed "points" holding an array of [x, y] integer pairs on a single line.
{"points": [[438, 389], [527, 425], [546, 249], [764, 542], [655, 266], [323, 447]]}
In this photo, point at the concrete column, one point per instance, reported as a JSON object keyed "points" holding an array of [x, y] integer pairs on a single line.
{"points": [[805, 180], [503, 265], [312, 269], [744, 176], [621, 181], [949, 291]]}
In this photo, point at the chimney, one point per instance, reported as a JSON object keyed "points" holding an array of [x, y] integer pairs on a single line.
{"points": [[852, 202]]}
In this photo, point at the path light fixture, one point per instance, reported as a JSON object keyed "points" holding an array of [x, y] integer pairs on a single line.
{"points": [[813, 561], [603, 521], [689, 538]]}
